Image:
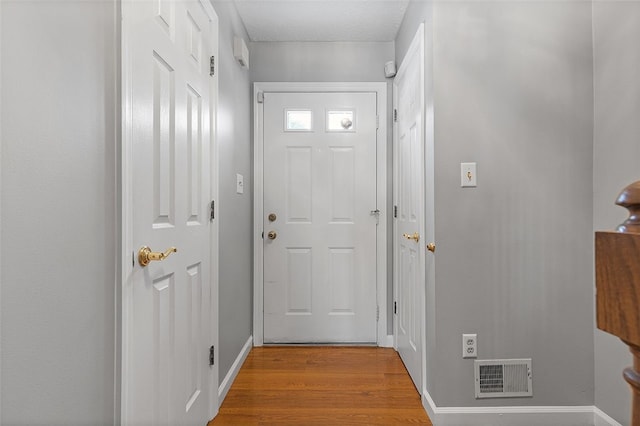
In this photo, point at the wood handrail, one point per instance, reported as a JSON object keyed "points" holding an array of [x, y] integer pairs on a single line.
{"points": [[618, 286], [629, 198]]}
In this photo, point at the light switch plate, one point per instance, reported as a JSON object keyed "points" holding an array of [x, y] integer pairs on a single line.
{"points": [[239, 184], [468, 174]]}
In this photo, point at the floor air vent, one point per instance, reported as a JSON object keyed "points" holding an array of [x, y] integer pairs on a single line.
{"points": [[503, 378]]}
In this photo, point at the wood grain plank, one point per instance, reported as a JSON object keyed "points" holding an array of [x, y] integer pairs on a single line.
{"points": [[322, 386]]}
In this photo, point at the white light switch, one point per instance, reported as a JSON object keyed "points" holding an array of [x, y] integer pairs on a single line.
{"points": [[239, 184], [468, 175]]}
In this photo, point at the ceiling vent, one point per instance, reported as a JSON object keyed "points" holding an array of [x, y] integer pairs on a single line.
{"points": [[503, 378]]}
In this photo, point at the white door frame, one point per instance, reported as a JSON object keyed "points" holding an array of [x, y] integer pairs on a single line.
{"points": [[214, 222], [258, 214], [416, 46], [124, 301]]}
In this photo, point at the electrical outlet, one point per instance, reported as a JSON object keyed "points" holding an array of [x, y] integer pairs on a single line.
{"points": [[469, 346]]}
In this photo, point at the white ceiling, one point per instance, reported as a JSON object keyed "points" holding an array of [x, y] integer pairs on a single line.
{"points": [[322, 20]]}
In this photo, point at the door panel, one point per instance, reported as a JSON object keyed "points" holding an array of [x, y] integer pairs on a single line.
{"points": [[343, 179], [342, 281], [299, 280], [167, 317], [298, 184], [409, 263], [320, 182]]}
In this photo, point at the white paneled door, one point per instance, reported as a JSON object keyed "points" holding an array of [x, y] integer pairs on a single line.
{"points": [[320, 217], [409, 231], [167, 314]]}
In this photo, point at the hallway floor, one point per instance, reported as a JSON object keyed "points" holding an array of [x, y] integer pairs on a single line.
{"points": [[322, 386]]}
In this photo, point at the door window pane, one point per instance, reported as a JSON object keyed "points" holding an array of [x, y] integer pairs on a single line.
{"points": [[298, 120], [341, 121]]}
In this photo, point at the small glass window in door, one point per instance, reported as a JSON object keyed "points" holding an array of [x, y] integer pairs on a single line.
{"points": [[298, 120], [343, 120]]}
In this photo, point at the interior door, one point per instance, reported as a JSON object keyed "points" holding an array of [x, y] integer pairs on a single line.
{"points": [[409, 257], [167, 314], [320, 217]]}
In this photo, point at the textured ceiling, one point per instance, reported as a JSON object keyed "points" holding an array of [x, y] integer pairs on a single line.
{"points": [[322, 20]]}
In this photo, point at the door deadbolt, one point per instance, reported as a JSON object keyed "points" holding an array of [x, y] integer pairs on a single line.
{"points": [[272, 217], [272, 235]]}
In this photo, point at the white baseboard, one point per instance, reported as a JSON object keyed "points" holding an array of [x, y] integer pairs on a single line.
{"points": [[587, 415], [224, 387], [603, 419], [387, 341]]}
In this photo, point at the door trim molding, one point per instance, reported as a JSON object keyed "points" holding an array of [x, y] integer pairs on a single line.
{"points": [[380, 88], [417, 47], [215, 195], [123, 303]]}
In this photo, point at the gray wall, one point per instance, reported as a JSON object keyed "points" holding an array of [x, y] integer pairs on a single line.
{"points": [[236, 210], [616, 31], [319, 61], [58, 101], [332, 62], [513, 91]]}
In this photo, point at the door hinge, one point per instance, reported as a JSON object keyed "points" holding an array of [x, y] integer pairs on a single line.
{"points": [[395, 115], [395, 211], [212, 66], [395, 307], [213, 210], [212, 355], [378, 313], [260, 97], [377, 122]]}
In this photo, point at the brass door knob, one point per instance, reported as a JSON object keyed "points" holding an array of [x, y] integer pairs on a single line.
{"points": [[431, 247], [145, 255], [272, 235], [272, 217], [415, 236]]}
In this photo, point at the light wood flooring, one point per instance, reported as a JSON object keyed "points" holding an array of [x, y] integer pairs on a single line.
{"points": [[322, 386]]}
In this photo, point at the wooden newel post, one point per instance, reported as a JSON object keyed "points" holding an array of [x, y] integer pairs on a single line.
{"points": [[618, 286]]}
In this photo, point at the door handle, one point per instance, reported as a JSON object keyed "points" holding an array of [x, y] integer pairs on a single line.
{"points": [[272, 235], [145, 255], [415, 236], [431, 247]]}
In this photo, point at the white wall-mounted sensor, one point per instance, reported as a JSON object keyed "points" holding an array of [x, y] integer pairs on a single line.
{"points": [[240, 52], [389, 69]]}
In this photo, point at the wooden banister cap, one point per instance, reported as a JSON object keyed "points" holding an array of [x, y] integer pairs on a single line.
{"points": [[629, 198]]}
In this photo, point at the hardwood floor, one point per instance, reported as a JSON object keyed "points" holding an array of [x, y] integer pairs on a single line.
{"points": [[322, 386]]}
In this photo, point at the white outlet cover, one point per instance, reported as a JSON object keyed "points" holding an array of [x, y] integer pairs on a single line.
{"points": [[468, 175], [239, 184], [469, 346]]}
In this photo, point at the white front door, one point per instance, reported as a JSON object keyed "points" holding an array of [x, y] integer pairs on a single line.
{"points": [[409, 259], [167, 188], [319, 229]]}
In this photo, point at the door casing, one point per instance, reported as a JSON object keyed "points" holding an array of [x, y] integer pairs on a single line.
{"points": [[417, 46], [125, 267], [258, 214]]}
